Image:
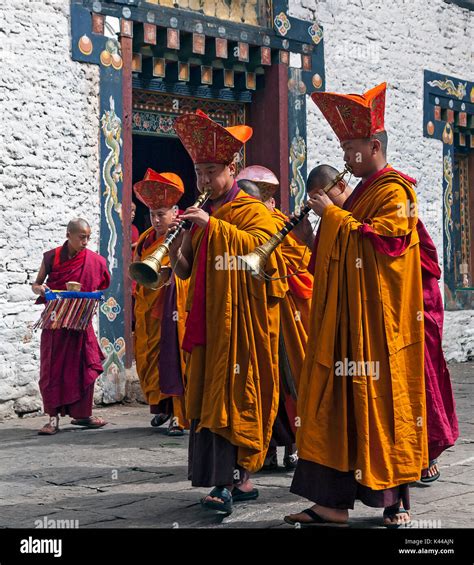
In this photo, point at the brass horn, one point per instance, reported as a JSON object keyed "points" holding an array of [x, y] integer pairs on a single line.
{"points": [[150, 272], [256, 260]]}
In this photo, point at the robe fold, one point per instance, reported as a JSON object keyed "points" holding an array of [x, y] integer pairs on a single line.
{"points": [[294, 322], [440, 405], [160, 317], [71, 360], [361, 394], [232, 330], [443, 429]]}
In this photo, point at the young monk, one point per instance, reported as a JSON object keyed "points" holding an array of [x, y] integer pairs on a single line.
{"points": [[70, 361], [362, 404], [442, 421], [262, 183], [160, 314], [232, 327]]}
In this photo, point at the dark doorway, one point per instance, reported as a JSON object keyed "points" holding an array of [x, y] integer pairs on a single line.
{"points": [[162, 154]]}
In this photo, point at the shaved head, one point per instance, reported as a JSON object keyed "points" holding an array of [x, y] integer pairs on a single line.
{"points": [[77, 224], [383, 138], [319, 177], [250, 188]]}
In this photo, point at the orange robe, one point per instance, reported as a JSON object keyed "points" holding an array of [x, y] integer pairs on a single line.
{"points": [[148, 323], [295, 308], [232, 380], [367, 308]]}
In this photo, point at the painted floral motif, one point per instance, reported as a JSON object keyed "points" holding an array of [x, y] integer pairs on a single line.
{"points": [[111, 308], [315, 32], [282, 23]]}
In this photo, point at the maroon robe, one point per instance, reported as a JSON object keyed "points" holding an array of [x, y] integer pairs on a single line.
{"points": [[71, 360]]}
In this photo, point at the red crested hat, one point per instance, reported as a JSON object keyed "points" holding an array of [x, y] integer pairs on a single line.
{"points": [[353, 116], [206, 141], [265, 179], [159, 190]]}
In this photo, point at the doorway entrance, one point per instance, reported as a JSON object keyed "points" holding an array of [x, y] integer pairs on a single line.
{"points": [[162, 154], [156, 146]]}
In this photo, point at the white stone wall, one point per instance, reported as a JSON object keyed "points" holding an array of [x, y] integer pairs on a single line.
{"points": [[367, 42], [49, 173]]}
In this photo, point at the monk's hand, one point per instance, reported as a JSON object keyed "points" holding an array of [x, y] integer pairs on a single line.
{"points": [[196, 215], [40, 289], [319, 201]]}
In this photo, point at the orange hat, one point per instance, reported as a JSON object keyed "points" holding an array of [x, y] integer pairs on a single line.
{"points": [[159, 190], [208, 142], [265, 179], [353, 116]]}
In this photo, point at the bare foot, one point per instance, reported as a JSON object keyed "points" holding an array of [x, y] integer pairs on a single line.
{"points": [[247, 486], [396, 517], [50, 428]]}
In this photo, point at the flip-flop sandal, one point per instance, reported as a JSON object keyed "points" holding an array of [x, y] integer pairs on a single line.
{"points": [[159, 420], [393, 515], [317, 520], [48, 430], [434, 477], [222, 493], [175, 431], [241, 496], [92, 423]]}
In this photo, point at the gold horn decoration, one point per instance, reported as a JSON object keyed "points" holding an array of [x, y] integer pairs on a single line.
{"points": [[150, 272], [256, 260]]}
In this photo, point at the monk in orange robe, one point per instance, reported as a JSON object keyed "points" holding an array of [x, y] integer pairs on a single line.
{"points": [[232, 327], [362, 404], [71, 360], [440, 404], [160, 314], [261, 183]]}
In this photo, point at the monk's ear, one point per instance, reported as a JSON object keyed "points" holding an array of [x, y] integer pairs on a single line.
{"points": [[376, 146]]}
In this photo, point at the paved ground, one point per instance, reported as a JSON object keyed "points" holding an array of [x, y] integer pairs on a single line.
{"points": [[129, 475]]}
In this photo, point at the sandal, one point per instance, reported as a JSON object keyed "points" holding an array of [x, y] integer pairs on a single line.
{"points": [[241, 496], [290, 461], [159, 420], [392, 515], [435, 477], [316, 520], [224, 494], [175, 431], [49, 429], [92, 423]]}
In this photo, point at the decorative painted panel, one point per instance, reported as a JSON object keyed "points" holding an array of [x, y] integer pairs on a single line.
{"points": [[91, 47], [449, 116]]}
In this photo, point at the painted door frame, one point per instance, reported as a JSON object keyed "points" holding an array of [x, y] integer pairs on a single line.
{"points": [[277, 112]]}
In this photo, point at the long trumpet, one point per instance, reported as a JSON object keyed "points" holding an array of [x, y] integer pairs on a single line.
{"points": [[150, 272], [256, 260]]}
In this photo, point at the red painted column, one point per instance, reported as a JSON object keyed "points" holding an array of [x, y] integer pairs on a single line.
{"points": [[268, 115], [126, 44]]}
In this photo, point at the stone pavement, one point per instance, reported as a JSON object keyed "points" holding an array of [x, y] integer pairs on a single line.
{"points": [[130, 475]]}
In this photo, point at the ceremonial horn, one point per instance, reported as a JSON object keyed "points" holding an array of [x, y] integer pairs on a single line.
{"points": [[256, 260], [150, 272]]}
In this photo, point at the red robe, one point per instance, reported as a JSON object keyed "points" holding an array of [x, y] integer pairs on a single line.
{"points": [[71, 360]]}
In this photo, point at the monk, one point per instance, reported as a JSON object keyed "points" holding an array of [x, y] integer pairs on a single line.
{"points": [[361, 401], [160, 314], [262, 183], [70, 360], [232, 328], [442, 421]]}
